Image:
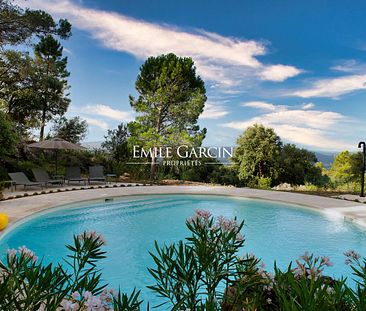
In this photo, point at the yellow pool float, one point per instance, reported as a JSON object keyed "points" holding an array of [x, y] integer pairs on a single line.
{"points": [[4, 220]]}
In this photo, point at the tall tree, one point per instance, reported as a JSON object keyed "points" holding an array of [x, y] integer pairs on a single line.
{"points": [[18, 97], [171, 98], [116, 142], [73, 130], [8, 137], [257, 153], [346, 167], [297, 166], [17, 25], [20, 78], [51, 80]]}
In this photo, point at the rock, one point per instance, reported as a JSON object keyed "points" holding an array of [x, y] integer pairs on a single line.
{"points": [[283, 187]]}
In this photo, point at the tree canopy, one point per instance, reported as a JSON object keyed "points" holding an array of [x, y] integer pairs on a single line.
{"points": [[297, 166], [262, 157], [17, 25], [346, 167], [51, 80], [257, 153], [8, 137], [73, 130], [33, 86], [171, 98], [116, 142]]}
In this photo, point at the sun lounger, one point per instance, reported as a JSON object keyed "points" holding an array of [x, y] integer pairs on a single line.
{"points": [[73, 174], [21, 179], [42, 176], [96, 173]]}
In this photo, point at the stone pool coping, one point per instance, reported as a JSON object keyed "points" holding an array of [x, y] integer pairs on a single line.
{"points": [[21, 208]]}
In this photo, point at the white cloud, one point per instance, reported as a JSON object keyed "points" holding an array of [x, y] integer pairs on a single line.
{"points": [[108, 112], [93, 114], [312, 128], [224, 60], [101, 124], [259, 105], [307, 106], [279, 73], [104, 111], [333, 87], [310, 118], [350, 66], [213, 111]]}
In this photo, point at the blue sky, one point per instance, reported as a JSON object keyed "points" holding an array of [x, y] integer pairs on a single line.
{"points": [[296, 66]]}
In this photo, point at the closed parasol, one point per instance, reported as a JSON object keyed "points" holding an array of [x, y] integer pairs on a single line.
{"points": [[55, 144]]}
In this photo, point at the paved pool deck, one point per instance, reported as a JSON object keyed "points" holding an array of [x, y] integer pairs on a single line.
{"points": [[20, 208]]}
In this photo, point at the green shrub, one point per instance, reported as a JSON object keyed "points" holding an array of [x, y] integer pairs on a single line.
{"points": [[202, 264], [27, 284], [306, 286], [308, 187], [351, 187], [252, 182], [225, 175], [264, 182], [204, 272]]}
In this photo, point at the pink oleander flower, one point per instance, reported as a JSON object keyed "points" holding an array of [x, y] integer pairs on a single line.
{"points": [[270, 276], [298, 272], [326, 261], [200, 215], [68, 305], [268, 287], [305, 256], [94, 303], [240, 237], [113, 292], [203, 213], [87, 295], [262, 265], [227, 224], [28, 253], [12, 253], [75, 296], [92, 235], [351, 256], [106, 296]]}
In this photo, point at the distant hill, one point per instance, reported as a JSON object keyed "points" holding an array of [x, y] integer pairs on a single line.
{"points": [[92, 145], [326, 158]]}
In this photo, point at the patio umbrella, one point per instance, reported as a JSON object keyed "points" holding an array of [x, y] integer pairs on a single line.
{"points": [[55, 144]]}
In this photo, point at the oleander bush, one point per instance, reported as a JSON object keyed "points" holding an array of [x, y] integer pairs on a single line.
{"points": [[26, 283], [202, 272]]}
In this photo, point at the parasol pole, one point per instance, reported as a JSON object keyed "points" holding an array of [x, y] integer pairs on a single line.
{"points": [[56, 159]]}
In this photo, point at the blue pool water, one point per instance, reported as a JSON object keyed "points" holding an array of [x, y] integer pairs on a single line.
{"points": [[130, 225]]}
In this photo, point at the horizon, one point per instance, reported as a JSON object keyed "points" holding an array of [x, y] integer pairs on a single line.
{"points": [[308, 85]]}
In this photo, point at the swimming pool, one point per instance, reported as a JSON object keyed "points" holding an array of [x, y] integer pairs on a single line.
{"points": [[273, 231]]}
